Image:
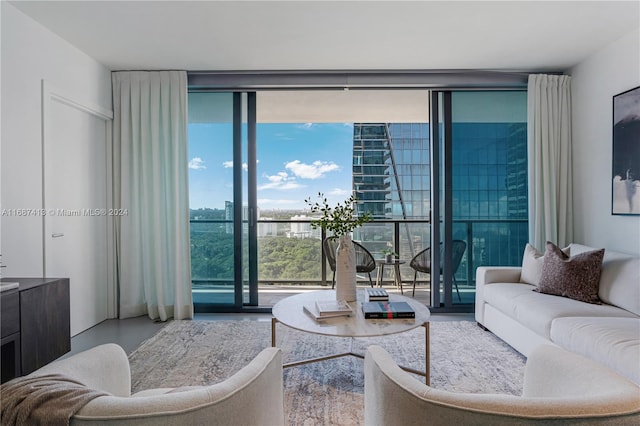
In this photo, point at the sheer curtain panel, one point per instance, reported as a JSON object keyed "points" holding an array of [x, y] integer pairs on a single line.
{"points": [[151, 190], [549, 151]]}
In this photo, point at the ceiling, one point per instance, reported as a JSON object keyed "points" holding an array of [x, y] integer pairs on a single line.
{"points": [[337, 35]]}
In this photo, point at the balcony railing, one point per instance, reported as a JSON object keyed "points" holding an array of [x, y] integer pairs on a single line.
{"points": [[290, 252]]}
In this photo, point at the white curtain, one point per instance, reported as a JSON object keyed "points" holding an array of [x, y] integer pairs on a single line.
{"points": [[549, 157], [151, 186]]}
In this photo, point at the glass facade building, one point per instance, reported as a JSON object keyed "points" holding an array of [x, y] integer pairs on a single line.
{"points": [[391, 170], [391, 180]]}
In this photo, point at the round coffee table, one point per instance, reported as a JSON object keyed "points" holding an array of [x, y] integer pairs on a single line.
{"points": [[290, 312]]}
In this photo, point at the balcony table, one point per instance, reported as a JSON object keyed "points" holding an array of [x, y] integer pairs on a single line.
{"points": [[397, 278]]}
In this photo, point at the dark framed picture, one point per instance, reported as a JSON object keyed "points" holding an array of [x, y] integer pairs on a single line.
{"points": [[625, 193]]}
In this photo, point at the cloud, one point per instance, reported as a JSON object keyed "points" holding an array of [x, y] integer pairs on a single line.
{"points": [[283, 186], [280, 181], [278, 177], [197, 163], [229, 165], [286, 181], [315, 170]]}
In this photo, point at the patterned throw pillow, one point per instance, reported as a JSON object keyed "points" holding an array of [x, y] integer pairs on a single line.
{"points": [[576, 277]]}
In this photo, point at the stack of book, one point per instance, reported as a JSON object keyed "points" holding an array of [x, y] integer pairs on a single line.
{"points": [[323, 309], [376, 295], [387, 310]]}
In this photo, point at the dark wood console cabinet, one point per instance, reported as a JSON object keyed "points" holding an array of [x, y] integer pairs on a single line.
{"points": [[35, 324]]}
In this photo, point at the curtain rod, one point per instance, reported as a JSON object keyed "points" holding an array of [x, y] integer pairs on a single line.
{"points": [[341, 80]]}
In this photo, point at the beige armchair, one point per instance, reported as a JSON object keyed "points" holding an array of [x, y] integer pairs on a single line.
{"points": [[560, 387], [252, 396]]}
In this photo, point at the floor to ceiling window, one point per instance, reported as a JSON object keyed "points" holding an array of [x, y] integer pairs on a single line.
{"points": [[488, 183], [211, 187], [373, 144]]}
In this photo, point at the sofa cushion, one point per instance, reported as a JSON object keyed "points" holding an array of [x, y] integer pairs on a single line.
{"points": [[614, 342], [576, 277], [536, 310], [532, 261], [620, 278]]}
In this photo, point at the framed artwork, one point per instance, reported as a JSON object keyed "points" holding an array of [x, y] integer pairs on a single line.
{"points": [[625, 194]]}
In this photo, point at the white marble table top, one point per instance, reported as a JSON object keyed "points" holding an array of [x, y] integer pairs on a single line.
{"points": [[290, 312]]}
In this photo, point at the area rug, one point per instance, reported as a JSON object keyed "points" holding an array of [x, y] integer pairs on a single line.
{"points": [[464, 358]]}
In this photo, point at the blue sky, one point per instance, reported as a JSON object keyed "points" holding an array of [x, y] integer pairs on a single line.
{"points": [[295, 161]]}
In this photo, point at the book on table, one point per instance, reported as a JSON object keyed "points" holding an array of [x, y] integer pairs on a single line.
{"points": [[332, 307], [387, 310], [376, 294], [312, 309]]}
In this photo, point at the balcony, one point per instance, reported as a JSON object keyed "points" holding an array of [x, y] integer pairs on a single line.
{"points": [[290, 257]]}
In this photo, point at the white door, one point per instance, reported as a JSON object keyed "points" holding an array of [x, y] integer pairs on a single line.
{"points": [[75, 202]]}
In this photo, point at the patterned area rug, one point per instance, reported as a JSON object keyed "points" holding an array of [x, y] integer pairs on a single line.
{"points": [[464, 358]]}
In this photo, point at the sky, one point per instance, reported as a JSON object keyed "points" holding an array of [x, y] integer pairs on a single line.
{"points": [[295, 161]]}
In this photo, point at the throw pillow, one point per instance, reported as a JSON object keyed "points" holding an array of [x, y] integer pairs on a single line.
{"points": [[576, 277], [532, 261]]}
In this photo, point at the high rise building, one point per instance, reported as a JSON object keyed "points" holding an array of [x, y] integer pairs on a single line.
{"points": [[391, 180], [391, 170]]}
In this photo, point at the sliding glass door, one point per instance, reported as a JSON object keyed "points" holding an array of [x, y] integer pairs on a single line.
{"points": [[483, 180], [222, 205], [255, 157]]}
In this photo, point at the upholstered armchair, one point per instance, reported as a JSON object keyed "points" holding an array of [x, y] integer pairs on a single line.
{"points": [[560, 388], [252, 396]]}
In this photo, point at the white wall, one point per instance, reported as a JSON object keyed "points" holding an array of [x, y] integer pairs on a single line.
{"points": [[31, 53], [612, 70]]}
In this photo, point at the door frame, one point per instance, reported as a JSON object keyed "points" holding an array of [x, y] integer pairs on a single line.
{"points": [[51, 95]]}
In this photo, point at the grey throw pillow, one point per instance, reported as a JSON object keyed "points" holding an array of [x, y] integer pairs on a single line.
{"points": [[576, 277]]}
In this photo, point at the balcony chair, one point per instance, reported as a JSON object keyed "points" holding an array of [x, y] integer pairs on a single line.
{"points": [[364, 259], [421, 262], [560, 388]]}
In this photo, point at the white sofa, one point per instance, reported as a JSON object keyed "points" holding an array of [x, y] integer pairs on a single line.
{"points": [[252, 396], [607, 333], [560, 388]]}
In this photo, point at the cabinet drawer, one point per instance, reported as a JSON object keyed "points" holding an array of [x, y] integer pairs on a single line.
{"points": [[9, 313]]}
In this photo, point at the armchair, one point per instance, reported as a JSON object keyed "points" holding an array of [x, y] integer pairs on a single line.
{"points": [[252, 396], [560, 388]]}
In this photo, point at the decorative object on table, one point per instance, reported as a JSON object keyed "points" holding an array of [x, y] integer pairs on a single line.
{"points": [[312, 310], [328, 307], [387, 310], [365, 262], [625, 193], [346, 269], [389, 255], [340, 220], [376, 295]]}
